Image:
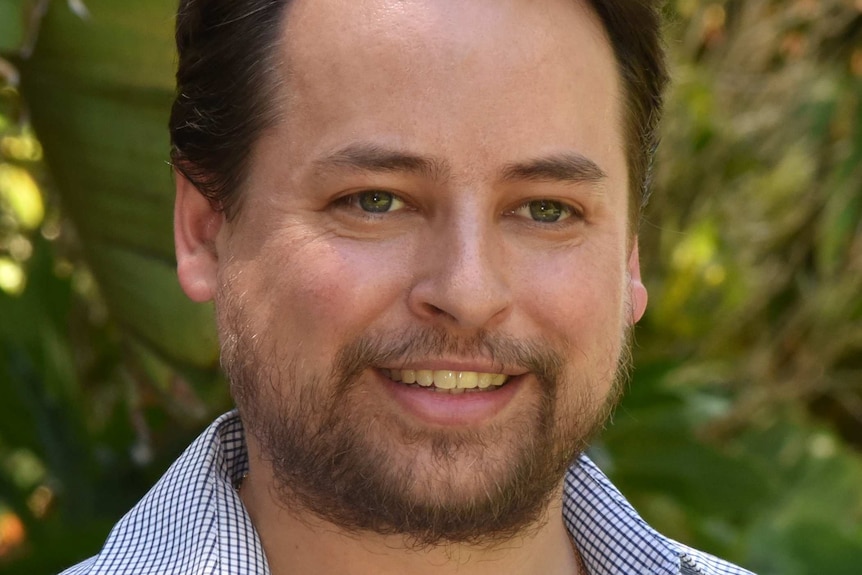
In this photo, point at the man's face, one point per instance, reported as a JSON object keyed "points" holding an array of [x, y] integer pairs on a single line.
{"points": [[443, 201]]}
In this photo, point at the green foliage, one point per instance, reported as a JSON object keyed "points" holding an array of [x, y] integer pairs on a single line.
{"points": [[742, 431], [99, 89], [106, 370], [742, 427], [12, 25]]}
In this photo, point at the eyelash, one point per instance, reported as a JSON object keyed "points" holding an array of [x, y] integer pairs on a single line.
{"points": [[569, 214], [355, 199]]}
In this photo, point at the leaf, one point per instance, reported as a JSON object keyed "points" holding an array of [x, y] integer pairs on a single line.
{"points": [[12, 20], [100, 91]]}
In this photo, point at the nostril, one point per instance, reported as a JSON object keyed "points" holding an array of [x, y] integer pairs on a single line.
{"points": [[462, 290], [435, 311]]}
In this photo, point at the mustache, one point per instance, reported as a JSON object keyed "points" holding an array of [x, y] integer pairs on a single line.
{"points": [[505, 353]]}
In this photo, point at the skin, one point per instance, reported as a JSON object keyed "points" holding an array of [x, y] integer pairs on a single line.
{"points": [[479, 92]]}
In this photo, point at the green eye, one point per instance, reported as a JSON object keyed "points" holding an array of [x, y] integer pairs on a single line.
{"points": [[545, 211], [378, 202]]}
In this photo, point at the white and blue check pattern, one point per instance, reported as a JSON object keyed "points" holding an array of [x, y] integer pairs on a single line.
{"points": [[193, 523]]}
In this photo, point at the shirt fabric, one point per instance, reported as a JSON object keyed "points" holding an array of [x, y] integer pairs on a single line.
{"points": [[192, 522]]}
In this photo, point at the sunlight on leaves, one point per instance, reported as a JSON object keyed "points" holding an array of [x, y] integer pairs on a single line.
{"points": [[12, 279], [20, 194], [12, 533], [24, 148], [24, 468]]}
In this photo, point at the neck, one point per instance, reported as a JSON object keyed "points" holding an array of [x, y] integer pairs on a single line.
{"points": [[299, 542]]}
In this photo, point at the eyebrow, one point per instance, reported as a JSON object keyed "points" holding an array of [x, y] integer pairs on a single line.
{"points": [[374, 158], [569, 167], [564, 167]]}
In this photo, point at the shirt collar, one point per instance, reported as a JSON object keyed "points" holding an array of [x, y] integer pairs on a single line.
{"points": [[193, 521], [612, 538]]}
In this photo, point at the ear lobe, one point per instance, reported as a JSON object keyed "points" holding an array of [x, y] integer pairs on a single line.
{"points": [[638, 292], [196, 225]]}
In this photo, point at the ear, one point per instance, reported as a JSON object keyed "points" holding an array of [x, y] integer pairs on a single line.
{"points": [[638, 295], [196, 225]]}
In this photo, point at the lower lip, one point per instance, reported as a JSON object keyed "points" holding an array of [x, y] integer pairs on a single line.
{"points": [[447, 409]]}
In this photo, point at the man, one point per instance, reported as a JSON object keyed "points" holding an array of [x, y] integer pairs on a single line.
{"points": [[417, 220]]}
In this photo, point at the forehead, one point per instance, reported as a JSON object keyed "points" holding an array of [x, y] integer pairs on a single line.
{"points": [[422, 36], [368, 27], [436, 74]]}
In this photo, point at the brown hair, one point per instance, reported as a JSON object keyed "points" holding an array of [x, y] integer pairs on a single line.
{"points": [[226, 83]]}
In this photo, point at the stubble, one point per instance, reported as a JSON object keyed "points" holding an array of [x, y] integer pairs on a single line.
{"points": [[343, 459]]}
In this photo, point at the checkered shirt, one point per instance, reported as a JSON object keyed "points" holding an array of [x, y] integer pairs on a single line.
{"points": [[193, 523]]}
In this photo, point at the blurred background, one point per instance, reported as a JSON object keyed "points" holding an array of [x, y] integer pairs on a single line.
{"points": [[742, 431]]}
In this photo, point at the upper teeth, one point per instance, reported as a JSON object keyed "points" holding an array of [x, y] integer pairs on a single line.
{"points": [[448, 380]]}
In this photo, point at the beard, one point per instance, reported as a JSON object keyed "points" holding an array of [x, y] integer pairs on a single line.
{"points": [[336, 453]]}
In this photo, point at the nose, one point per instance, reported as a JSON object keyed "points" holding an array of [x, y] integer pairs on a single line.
{"points": [[462, 281]]}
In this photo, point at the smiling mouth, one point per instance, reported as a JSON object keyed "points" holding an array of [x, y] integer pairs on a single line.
{"points": [[445, 381]]}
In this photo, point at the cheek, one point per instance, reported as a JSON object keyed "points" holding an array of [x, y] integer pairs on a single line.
{"points": [[329, 292], [578, 296], [578, 304]]}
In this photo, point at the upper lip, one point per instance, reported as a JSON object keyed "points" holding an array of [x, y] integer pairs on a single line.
{"points": [[459, 365]]}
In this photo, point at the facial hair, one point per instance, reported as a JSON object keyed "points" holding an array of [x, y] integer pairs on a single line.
{"points": [[333, 455]]}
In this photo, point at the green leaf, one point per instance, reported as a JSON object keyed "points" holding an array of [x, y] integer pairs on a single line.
{"points": [[100, 90], [12, 25]]}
